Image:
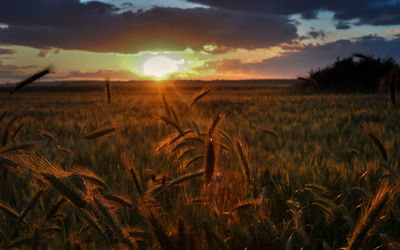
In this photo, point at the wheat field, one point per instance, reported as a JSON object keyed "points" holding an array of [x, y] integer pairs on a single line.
{"points": [[202, 166]]}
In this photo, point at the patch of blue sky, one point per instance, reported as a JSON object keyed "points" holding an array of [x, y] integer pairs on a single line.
{"points": [[327, 23], [135, 5]]}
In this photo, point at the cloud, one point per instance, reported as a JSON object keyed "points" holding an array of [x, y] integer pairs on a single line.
{"points": [[6, 51], [312, 34], [9, 72], [317, 34], [385, 12], [395, 32], [98, 75], [42, 53], [14, 73], [342, 26], [96, 26], [293, 64]]}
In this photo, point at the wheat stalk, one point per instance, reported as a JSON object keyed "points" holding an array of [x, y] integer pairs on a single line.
{"points": [[108, 90], [196, 98], [49, 69]]}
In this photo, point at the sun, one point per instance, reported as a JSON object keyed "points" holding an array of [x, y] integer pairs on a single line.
{"points": [[160, 66]]}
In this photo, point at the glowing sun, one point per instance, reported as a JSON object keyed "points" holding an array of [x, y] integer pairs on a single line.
{"points": [[159, 66]]}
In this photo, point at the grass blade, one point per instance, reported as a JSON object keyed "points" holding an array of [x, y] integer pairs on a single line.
{"points": [[273, 133], [8, 162], [3, 115], [23, 146], [31, 204], [17, 131], [9, 211], [185, 177], [246, 204], [101, 133]]}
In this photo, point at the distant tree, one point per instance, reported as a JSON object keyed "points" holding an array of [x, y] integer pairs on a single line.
{"points": [[358, 73]]}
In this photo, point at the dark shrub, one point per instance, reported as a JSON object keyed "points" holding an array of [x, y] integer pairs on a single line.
{"points": [[358, 73]]}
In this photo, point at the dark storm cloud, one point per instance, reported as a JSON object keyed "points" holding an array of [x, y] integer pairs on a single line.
{"points": [[313, 34], [374, 12], [342, 26], [96, 26], [315, 56], [317, 34]]}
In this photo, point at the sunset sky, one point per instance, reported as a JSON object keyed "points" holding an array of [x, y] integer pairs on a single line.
{"points": [[190, 39]]}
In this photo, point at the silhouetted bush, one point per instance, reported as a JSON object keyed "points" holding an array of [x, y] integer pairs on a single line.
{"points": [[358, 73]]}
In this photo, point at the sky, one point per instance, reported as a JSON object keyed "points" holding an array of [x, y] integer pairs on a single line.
{"points": [[190, 39]]}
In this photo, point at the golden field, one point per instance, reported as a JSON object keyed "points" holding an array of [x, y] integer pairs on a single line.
{"points": [[198, 166]]}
